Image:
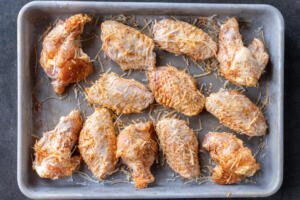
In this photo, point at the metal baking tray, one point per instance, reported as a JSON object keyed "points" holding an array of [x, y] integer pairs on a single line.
{"points": [[39, 108]]}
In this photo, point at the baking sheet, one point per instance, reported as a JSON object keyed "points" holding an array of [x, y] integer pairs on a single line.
{"points": [[40, 108]]}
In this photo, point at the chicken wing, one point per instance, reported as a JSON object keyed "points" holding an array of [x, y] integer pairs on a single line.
{"points": [[235, 161], [119, 94], [127, 46], [182, 38], [138, 149], [62, 57], [54, 150], [98, 143], [237, 112], [176, 89], [238, 64], [180, 146]]}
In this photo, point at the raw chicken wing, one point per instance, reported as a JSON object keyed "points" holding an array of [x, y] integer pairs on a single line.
{"points": [[237, 112], [138, 149], [176, 89], [127, 46], [62, 57], [180, 147], [239, 64], [98, 143], [53, 152], [235, 161], [182, 38], [119, 94]]}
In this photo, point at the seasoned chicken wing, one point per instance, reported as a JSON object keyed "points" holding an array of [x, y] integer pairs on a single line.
{"points": [[180, 146], [176, 89], [235, 161], [138, 149], [62, 57], [239, 64], [98, 143], [119, 94], [127, 46], [182, 38], [53, 152], [237, 112]]}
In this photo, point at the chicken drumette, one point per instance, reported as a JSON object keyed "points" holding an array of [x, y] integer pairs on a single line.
{"points": [[235, 161], [62, 57], [53, 152], [138, 149], [180, 146], [239, 64], [98, 143]]}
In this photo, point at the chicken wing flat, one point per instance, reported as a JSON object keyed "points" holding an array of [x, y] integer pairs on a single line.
{"points": [[138, 149], [176, 89], [180, 146], [53, 157], [237, 112], [183, 38], [98, 143], [62, 57], [239, 64], [235, 161], [127, 46], [119, 94]]}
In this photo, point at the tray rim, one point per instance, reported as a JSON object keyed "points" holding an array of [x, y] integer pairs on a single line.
{"points": [[27, 191]]}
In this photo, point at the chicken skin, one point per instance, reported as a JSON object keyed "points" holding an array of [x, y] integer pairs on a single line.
{"points": [[176, 89], [119, 94], [179, 37], [180, 147], [138, 149], [235, 161], [53, 152], [239, 64], [62, 58], [127, 46], [237, 112], [98, 143]]}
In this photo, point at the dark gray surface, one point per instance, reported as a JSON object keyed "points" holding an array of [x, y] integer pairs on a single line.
{"points": [[8, 183]]}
